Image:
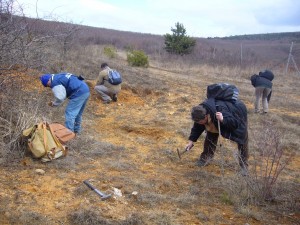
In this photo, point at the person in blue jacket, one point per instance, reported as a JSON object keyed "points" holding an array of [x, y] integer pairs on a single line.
{"points": [[263, 89], [67, 85]]}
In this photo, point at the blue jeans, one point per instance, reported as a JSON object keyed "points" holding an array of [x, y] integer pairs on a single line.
{"points": [[74, 110]]}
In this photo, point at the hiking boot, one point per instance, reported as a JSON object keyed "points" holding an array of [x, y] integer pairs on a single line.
{"points": [[244, 171], [201, 162], [115, 97], [106, 102]]}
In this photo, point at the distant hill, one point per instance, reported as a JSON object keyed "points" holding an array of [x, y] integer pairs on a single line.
{"points": [[292, 36], [271, 48], [92, 31]]}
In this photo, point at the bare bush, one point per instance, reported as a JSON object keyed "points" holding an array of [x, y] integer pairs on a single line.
{"points": [[24, 45], [12, 29], [11, 136], [19, 110], [270, 158]]}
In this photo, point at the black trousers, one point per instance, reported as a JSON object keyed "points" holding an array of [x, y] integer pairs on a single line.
{"points": [[210, 145]]}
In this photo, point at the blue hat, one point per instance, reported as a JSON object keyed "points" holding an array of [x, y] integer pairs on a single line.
{"points": [[45, 78]]}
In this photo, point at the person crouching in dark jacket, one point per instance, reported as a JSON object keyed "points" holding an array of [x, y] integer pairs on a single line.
{"points": [[232, 118], [263, 89]]}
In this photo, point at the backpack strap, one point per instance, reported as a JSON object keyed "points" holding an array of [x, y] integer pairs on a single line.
{"points": [[45, 137], [108, 70]]}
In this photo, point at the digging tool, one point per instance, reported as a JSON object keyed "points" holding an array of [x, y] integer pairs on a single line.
{"points": [[102, 195], [185, 150]]}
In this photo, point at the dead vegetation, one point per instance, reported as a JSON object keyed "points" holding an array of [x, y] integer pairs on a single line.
{"points": [[131, 145]]}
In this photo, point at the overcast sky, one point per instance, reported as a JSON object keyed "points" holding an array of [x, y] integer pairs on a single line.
{"points": [[201, 18]]}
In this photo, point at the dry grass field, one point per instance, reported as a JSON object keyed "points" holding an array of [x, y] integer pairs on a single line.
{"points": [[130, 146]]}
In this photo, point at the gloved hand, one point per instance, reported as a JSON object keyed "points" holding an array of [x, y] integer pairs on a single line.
{"points": [[50, 104]]}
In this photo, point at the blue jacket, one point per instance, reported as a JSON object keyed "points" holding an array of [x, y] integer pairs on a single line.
{"points": [[234, 125], [67, 85]]}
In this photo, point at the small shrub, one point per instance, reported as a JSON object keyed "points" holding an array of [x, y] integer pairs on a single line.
{"points": [[270, 158], [110, 51], [137, 58], [225, 198]]}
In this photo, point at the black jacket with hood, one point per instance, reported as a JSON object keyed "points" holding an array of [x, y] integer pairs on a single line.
{"points": [[264, 79], [234, 125]]}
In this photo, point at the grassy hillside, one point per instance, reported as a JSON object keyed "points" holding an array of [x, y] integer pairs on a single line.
{"points": [[130, 146], [261, 50]]}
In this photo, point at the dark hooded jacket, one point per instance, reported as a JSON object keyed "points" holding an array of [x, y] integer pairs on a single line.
{"points": [[234, 125], [264, 79]]}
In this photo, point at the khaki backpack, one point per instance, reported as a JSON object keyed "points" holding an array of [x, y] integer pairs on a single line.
{"points": [[43, 142]]}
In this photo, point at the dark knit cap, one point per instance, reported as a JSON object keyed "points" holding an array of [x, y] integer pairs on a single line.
{"points": [[198, 113], [45, 78], [103, 65]]}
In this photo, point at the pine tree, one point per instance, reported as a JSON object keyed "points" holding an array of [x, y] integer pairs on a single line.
{"points": [[178, 42]]}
